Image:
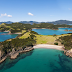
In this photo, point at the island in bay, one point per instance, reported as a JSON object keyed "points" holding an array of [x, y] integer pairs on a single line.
{"points": [[28, 39]]}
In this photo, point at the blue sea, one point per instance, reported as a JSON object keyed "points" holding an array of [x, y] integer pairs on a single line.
{"points": [[5, 37], [51, 32], [37, 60]]}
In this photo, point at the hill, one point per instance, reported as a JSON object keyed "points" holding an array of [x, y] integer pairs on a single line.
{"points": [[24, 22], [61, 22], [31, 22]]}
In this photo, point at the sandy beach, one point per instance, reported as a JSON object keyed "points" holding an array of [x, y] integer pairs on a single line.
{"points": [[17, 33], [6, 31], [48, 46], [38, 28]]}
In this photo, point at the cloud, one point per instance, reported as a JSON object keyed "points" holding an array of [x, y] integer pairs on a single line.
{"points": [[69, 8], [2, 15], [30, 14], [9, 15]]}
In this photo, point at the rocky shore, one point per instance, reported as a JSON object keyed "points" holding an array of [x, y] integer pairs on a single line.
{"points": [[67, 30], [68, 52], [14, 54]]}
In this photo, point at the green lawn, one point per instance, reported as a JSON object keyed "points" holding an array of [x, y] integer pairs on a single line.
{"points": [[44, 39]]}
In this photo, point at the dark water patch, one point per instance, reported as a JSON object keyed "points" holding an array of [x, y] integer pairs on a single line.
{"points": [[39, 60], [63, 62], [8, 63]]}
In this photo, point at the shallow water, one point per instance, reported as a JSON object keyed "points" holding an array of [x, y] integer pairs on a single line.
{"points": [[51, 32], [38, 60], [5, 37]]}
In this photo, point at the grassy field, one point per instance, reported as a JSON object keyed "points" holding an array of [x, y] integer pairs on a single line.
{"points": [[23, 31], [44, 39]]}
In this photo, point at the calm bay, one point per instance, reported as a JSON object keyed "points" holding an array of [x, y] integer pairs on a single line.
{"points": [[38, 60]]}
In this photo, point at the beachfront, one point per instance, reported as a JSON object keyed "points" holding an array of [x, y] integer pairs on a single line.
{"points": [[48, 46]]}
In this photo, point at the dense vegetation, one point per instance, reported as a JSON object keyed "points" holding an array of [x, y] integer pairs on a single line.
{"points": [[17, 43], [15, 27], [18, 27], [44, 25], [66, 41]]}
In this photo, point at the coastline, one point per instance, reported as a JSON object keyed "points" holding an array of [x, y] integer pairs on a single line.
{"points": [[44, 28], [39, 28], [17, 33], [62, 48], [47, 28], [5, 31], [8, 32], [47, 46], [13, 55]]}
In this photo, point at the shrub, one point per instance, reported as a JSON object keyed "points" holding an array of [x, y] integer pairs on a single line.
{"points": [[55, 43], [54, 34], [62, 42], [23, 47], [62, 34]]}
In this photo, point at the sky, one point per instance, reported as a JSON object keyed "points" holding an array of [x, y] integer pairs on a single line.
{"points": [[35, 10]]}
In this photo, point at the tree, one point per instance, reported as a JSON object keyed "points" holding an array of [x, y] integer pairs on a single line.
{"points": [[32, 36]]}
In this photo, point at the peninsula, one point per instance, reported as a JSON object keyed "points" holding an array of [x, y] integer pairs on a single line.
{"points": [[27, 39]]}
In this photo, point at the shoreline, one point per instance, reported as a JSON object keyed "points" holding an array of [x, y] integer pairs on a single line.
{"points": [[8, 33], [17, 33], [44, 28], [47, 46], [5, 31], [47, 28], [14, 55]]}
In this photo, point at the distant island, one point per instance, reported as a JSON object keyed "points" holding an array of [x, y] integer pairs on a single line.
{"points": [[27, 39], [31, 22], [18, 27]]}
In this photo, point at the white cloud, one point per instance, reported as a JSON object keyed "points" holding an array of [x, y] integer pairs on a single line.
{"points": [[69, 8], [9, 15], [2, 15], [30, 14]]}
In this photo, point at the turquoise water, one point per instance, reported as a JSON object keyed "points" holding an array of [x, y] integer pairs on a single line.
{"points": [[5, 37], [51, 32], [38, 60]]}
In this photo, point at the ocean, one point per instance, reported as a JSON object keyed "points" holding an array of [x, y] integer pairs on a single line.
{"points": [[5, 37], [51, 32], [37, 60]]}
